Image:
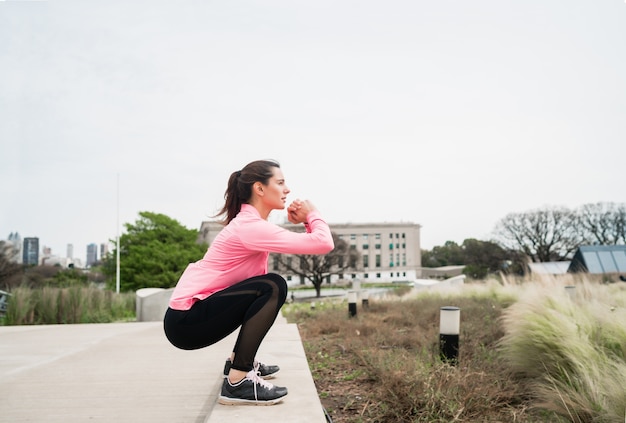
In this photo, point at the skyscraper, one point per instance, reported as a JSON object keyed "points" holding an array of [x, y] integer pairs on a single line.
{"points": [[31, 251], [92, 254]]}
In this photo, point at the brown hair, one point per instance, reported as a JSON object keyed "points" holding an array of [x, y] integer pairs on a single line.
{"points": [[239, 189]]}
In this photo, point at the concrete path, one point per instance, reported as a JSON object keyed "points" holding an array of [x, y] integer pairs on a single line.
{"points": [[128, 372]]}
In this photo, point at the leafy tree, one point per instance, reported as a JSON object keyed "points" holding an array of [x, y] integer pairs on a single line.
{"points": [[316, 267], [480, 258], [484, 257], [154, 251], [70, 277], [542, 235], [448, 254]]}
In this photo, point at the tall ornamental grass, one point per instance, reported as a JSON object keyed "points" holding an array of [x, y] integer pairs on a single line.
{"points": [[570, 349], [74, 304]]}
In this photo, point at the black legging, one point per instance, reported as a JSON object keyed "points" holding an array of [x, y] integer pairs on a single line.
{"points": [[252, 304]]}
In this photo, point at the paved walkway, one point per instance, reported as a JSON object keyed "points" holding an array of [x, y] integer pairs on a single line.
{"points": [[128, 372]]}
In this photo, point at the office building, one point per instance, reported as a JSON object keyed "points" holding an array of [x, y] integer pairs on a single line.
{"points": [[389, 252], [92, 254], [30, 251]]}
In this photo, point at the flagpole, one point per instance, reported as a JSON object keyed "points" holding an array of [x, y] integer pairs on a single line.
{"points": [[117, 247]]}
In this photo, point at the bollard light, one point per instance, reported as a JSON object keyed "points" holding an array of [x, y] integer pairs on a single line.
{"points": [[312, 305], [365, 298], [571, 291], [352, 303], [449, 326]]}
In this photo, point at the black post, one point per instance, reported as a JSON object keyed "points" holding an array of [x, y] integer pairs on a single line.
{"points": [[352, 303], [450, 318]]}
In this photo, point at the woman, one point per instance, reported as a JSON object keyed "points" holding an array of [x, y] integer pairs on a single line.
{"points": [[231, 287]]}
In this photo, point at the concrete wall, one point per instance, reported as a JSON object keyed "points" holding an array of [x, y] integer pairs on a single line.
{"points": [[151, 303]]}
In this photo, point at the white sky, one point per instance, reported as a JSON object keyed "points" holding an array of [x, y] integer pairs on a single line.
{"points": [[447, 113]]}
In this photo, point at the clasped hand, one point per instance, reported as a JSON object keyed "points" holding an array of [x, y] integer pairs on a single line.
{"points": [[298, 210]]}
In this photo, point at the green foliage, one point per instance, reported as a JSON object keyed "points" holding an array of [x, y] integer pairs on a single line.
{"points": [[480, 258], [154, 251], [70, 277]]}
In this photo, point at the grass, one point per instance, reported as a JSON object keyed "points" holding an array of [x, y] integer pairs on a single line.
{"points": [[528, 352], [76, 304]]}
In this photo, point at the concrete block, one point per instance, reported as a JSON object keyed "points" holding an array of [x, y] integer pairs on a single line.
{"points": [[151, 303]]}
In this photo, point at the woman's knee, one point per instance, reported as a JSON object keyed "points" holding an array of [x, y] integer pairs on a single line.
{"points": [[281, 285]]}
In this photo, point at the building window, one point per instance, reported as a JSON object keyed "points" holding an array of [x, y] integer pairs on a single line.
{"points": [[366, 275], [275, 263], [366, 261], [365, 247], [377, 260], [377, 236], [390, 236], [378, 275], [377, 246]]}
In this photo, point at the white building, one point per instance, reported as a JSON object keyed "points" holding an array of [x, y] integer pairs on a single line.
{"points": [[390, 252]]}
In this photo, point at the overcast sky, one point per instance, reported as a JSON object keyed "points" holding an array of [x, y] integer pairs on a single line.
{"points": [[448, 113]]}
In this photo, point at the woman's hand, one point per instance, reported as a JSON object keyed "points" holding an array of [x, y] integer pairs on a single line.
{"points": [[298, 210]]}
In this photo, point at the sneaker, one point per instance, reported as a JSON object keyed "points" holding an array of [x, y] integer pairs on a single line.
{"points": [[266, 371], [251, 390]]}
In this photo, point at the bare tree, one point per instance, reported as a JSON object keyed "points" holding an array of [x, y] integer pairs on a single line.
{"points": [[602, 223], [542, 235], [316, 268], [10, 270]]}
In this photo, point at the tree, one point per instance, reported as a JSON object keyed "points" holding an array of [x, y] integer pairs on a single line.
{"points": [[316, 267], [542, 235], [448, 254], [602, 223], [154, 251], [10, 271], [480, 258], [484, 257]]}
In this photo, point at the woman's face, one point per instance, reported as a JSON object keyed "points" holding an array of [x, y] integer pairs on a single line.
{"points": [[275, 192]]}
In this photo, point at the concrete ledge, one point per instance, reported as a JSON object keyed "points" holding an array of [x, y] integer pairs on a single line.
{"points": [[128, 372], [151, 303], [283, 346]]}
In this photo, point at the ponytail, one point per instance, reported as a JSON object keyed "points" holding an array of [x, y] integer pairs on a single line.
{"points": [[239, 189]]}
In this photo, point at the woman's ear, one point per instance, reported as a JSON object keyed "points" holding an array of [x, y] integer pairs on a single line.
{"points": [[258, 188]]}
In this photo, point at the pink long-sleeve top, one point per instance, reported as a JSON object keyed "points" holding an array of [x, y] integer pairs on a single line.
{"points": [[241, 250]]}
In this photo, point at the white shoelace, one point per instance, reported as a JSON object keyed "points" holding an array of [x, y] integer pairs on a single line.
{"points": [[253, 376], [257, 365]]}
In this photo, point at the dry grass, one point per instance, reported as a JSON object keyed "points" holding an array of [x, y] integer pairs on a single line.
{"points": [[383, 365]]}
